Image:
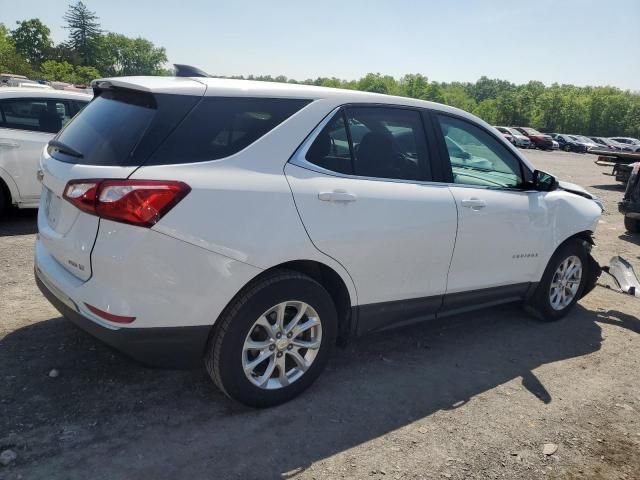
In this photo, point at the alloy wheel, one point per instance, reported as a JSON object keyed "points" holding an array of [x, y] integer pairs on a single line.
{"points": [[281, 345], [565, 283]]}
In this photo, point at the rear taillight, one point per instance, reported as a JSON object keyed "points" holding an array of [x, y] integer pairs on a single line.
{"points": [[137, 202]]}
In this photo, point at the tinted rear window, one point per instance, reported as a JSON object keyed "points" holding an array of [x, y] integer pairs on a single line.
{"points": [[108, 129], [219, 127]]}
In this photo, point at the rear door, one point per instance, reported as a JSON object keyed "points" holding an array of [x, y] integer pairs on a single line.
{"points": [[26, 125], [361, 183], [110, 138]]}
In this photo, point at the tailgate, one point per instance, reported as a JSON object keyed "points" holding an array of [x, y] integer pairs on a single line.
{"points": [[109, 139], [66, 232]]}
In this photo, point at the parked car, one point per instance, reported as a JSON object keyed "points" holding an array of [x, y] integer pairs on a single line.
{"points": [[517, 138], [508, 137], [540, 140], [591, 145], [606, 144], [630, 204], [555, 145], [249, 225], [633, 144], [568, 143], [29, 118]]}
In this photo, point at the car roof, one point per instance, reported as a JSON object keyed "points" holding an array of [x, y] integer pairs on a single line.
{"points": [[26, 92], [225, 87]]}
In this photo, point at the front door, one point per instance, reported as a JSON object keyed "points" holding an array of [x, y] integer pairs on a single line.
{"points": [[501, 224]]}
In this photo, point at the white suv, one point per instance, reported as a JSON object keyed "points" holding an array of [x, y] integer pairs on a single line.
{"points": [[253, 225], [29, 118]]}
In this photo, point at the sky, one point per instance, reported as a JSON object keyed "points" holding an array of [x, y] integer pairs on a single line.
{"points": [[582, 42]]}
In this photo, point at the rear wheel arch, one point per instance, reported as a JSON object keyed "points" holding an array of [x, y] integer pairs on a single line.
{"points": [[326, 276], [332, 282]]}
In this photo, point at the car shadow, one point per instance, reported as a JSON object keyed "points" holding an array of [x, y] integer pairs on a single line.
{"points": [[176, 424], [19, 222], [630, 237], [618, 187]]}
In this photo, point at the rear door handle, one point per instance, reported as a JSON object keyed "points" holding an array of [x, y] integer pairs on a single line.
{"points": [[473, 203], [337, 196]]}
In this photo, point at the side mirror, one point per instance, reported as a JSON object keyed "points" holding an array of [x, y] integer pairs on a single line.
{"points": [[544, 182]]}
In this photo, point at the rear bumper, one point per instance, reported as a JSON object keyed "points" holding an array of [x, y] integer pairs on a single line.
{"points": [[167, 347]]}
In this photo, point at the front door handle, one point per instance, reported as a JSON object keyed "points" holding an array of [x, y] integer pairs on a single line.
{"points": [[473, 203], [337, 196], [8, 144]]}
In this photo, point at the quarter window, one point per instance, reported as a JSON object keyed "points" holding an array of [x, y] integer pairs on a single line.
{"points": [[373, 142], [477, 157], [219, 127]]}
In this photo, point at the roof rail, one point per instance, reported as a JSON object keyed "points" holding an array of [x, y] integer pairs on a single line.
{"points": [[189, 71]]}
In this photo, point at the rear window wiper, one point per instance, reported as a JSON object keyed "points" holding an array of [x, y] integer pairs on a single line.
{"points": [[64, 148]]}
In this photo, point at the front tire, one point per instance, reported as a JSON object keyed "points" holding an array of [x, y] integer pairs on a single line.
{"points": [[562, 283], [273, 340], [632, 225]]}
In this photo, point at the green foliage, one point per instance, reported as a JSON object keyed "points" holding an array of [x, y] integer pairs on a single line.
{"points": [[118, 55], [65, 72], [84, 31], [32, 40], [10, 60], [57, 71]]}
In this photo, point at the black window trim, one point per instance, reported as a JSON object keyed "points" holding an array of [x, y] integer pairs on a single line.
{"points": [[526, 173], [299, 156]]}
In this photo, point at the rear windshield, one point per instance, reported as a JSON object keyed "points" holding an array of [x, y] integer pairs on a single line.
{"points": [[108, 129], [219, 127]]}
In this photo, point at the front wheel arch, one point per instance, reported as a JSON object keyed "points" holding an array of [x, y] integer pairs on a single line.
{"points": [[535, 301]]}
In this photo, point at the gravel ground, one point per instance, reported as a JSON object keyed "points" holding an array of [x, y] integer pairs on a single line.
{"points": [[476, 396]]}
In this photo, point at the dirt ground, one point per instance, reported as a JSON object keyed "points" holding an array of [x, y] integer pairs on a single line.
{"points": [[475, 396]]}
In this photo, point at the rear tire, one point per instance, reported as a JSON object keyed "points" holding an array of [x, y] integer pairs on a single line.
{"points": [[632, 225], [280, 376], [558, 291]]}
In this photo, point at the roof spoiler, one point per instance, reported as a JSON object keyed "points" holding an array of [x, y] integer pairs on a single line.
{"points": [[189, 71]]}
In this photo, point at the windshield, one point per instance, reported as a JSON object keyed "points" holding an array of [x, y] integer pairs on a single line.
{"points": [[531, 131]]}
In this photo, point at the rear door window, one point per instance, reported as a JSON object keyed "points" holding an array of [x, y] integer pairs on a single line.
{"points": [[222, 126], [47, 115], [331, 149], [378, 142]]}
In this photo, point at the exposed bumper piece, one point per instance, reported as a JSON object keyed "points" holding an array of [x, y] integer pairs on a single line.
{"points": [[167, 347]]}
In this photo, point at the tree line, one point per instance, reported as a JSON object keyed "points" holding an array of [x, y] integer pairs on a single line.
{"points": [[597, 111], [89, 52]]}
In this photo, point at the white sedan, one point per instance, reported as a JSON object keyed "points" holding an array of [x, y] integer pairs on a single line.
{"points": [[29, 118]]}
